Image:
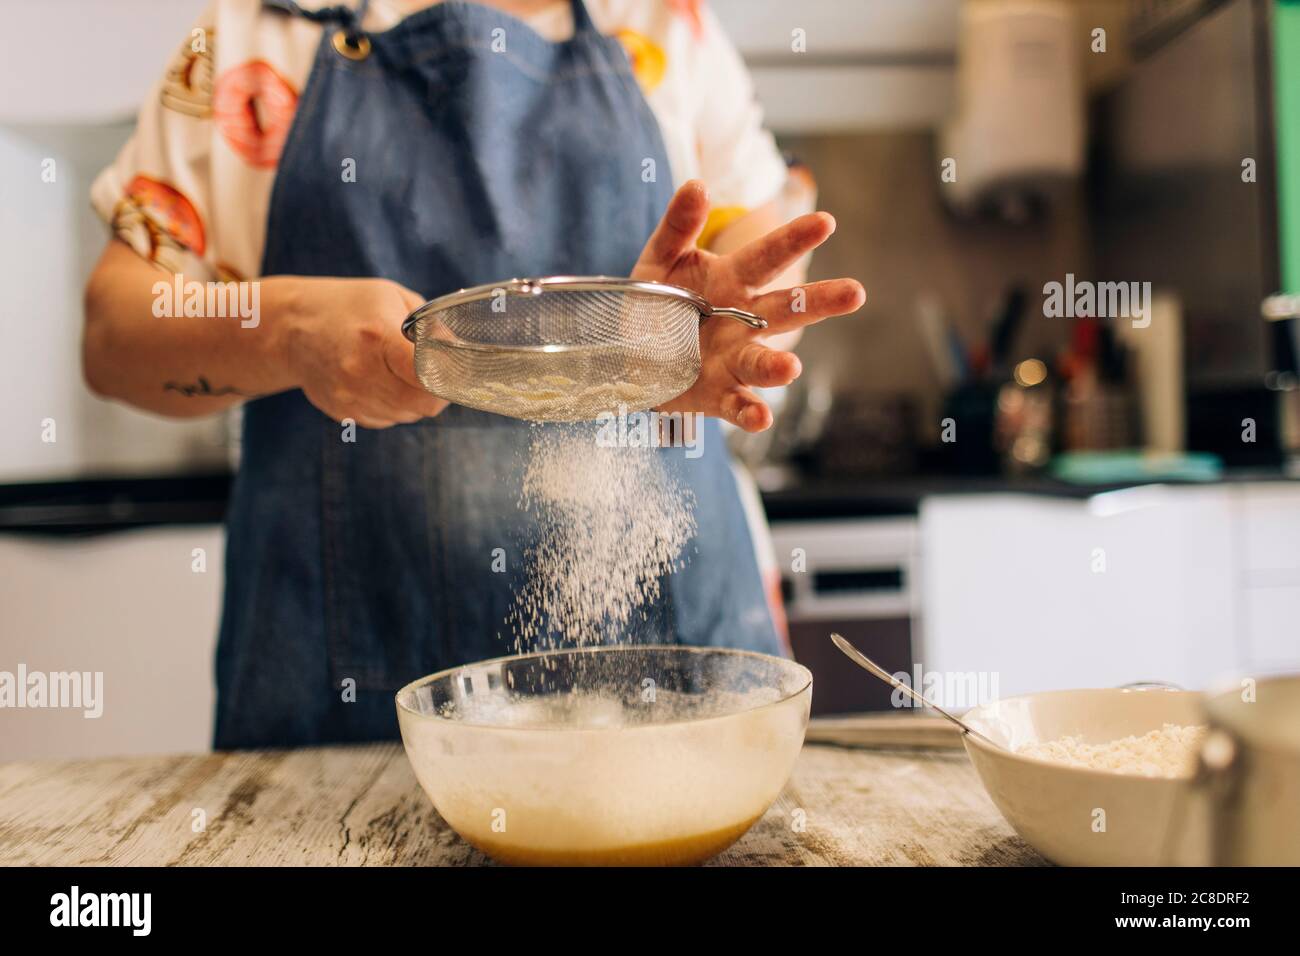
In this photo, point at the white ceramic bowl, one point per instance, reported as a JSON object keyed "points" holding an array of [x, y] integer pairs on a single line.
{"points": [[1061, 810]]}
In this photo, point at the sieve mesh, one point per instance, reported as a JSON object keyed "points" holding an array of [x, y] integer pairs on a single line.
{"points": [[559, 354]]}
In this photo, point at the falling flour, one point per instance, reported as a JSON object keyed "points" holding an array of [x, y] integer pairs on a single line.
{"points": [[611, 523]]}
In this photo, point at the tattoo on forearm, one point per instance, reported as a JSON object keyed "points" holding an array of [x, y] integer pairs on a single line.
{"points": [[202, 389]]}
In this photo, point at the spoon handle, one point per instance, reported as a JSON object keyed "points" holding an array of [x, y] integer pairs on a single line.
{"points": [[865, 662]]}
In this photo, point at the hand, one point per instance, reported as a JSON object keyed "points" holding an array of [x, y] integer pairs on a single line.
{"points": [[735, 358], [345, 349]]}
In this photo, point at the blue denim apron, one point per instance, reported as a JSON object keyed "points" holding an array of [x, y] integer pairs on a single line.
{"points": [[355, 567]]}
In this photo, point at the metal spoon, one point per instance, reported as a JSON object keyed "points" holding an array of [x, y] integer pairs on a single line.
{"points": [[866, 663]]}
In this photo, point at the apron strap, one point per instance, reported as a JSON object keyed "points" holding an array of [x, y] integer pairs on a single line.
{"points": [[582, 22], [348, 18]]}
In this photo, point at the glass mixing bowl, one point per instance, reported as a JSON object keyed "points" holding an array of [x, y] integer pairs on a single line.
{"points": [[607, 756]]}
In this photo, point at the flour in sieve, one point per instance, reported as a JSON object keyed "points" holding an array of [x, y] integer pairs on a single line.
{"points": [[555, 397], [612, 523]]}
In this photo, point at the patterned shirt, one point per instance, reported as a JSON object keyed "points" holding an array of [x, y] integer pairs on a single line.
{"points": [[191, 189]]}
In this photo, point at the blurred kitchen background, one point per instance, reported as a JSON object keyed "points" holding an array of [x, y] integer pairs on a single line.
{"points": [[960, 481]]}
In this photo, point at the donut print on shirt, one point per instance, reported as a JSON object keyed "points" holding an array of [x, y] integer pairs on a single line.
{"points": [[648, 61], [187, 86], [217, 124], [166, 210], [690, 11], [254, 106]]}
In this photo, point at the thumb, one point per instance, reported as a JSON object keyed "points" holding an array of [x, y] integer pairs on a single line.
{"points": [[399, 356], [399, 351]]}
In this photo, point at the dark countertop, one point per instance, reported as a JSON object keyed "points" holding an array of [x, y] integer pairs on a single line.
{"points": [[821, 499], [815, 499], [94, 506]]}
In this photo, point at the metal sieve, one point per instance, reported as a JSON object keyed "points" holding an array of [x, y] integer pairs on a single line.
{"points": [[562, 348]]}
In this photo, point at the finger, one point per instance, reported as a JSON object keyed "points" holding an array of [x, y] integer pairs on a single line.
{"points": [[370, 404], [411, 300], [756, 364], [406, 391], [351, 411], [397, 415], [681, 225], [742, 407], [788, 309], [417, 401], [396, 400], [762, 260], [399, 356]]}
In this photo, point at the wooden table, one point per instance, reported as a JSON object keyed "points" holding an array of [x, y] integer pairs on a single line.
{"points": [[362, 806]]}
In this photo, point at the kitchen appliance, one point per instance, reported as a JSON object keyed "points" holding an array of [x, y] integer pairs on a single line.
{"points": [[562, 348], [858, 577], [606, 756], [1194, 192], [1018, 137]]}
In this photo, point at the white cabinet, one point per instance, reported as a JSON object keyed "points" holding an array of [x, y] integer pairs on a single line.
{"points": [[1269, 517], [131, 606], [1183, 584], [1272, 626]]}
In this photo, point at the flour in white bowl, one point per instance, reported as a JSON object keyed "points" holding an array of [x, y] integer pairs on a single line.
{"points": [[1168, 752]]}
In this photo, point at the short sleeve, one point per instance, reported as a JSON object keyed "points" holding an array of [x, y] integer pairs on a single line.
{"points": [[738, 157], [157, 194]]}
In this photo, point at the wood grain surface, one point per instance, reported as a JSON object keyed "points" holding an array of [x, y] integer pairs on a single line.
{"points": [[362, 806]]}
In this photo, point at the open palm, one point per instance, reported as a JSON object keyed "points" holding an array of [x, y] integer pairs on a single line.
{"points": [[736, 358]]}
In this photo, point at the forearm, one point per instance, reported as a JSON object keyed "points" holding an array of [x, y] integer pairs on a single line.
{"points": [[140, 347]]}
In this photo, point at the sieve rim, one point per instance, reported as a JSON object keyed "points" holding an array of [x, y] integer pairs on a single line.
{"points": [[539, 285]]}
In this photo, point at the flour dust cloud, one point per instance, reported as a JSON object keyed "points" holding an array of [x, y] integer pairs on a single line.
{"points": [[612, 522]]}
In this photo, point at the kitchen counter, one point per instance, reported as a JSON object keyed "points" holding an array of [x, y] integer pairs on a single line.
{"points": [[76, 508], [361, 805], [817, 498]]}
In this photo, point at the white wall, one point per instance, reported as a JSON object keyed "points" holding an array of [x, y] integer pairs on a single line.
{"points": [[865, 64], [128, 605], [45, 257], [70, 82], [86, 61]]}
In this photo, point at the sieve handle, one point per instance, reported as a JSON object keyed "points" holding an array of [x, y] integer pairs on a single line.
{"points": [[749, 318]]}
